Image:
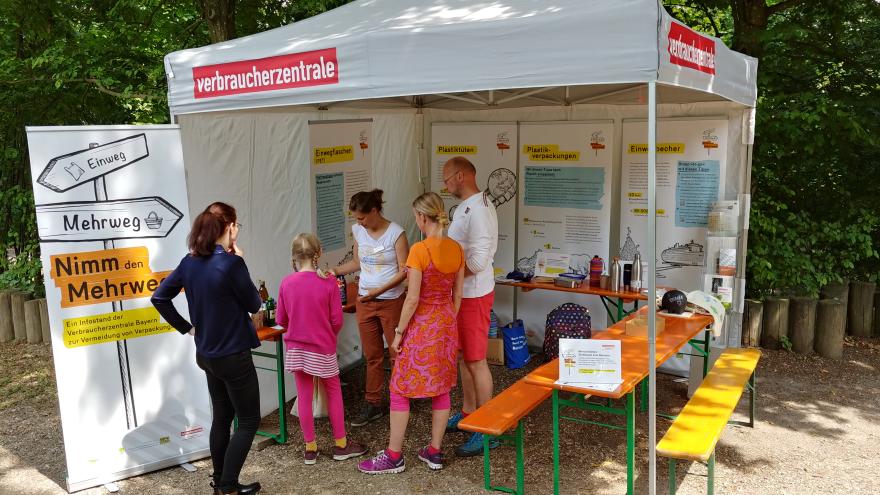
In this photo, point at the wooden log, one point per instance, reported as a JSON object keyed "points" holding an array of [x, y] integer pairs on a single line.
{"points": [[7, 333], [44, 321], [802, 323], [860, 313], [32, 322], [751, 333], [836, 290], [775, 322], [18, 324], [876, 312], [830, 328]]}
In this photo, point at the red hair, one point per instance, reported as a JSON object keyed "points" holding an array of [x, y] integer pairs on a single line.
{"points": [[208, 226]]}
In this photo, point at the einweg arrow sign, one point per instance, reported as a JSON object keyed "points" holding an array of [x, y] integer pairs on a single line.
{"points": [[80, 167], [138, 218]]}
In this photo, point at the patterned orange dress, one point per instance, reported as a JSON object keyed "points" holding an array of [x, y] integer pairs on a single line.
{"points": [[427, 363]]}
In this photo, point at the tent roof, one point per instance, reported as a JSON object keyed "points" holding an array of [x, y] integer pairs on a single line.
{"points": [[390, 49]]}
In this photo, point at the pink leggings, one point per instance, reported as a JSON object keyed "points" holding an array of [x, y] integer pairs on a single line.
{"points": [[305, 391], [400, 403]]}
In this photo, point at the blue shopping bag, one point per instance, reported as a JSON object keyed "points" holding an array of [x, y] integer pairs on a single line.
{"points": [[516, 349]]}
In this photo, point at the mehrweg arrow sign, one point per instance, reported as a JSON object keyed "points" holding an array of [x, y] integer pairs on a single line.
{"points": [[138, 218], [80, 167]]}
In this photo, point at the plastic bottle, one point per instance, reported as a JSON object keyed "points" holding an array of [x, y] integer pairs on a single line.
{"points": [[264, 293]]}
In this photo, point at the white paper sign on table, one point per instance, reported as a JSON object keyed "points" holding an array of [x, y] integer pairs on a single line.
{"points": [[593, 364], [551, 265]]}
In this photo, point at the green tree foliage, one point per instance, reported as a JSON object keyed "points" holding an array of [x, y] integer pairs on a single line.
{"points": [[815, 209]]}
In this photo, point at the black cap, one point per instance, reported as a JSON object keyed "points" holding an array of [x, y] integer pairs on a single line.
{"points": [[674, 302]]}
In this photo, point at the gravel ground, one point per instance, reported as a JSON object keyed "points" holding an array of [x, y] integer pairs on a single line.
{"points": [[817, 432]]}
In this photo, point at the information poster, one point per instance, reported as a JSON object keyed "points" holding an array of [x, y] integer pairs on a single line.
{"points": [[565, 208], [691, 161], [112, 219], [341, 162], [491, 147]]}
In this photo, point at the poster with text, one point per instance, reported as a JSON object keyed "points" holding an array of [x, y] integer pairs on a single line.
{"points": [[691, 165], [565, 207], [112, 220], [491, 147], [691, 168], [342, 160]]}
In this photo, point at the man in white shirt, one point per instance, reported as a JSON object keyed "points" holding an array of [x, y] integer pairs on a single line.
{"points": [[475, 227]]}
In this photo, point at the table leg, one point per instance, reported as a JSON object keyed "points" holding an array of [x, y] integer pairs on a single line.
{"points": [[555, 442], [643, 399], [672, 476], [621, 312], [630, 441], [487, 473], [282, 409], [706, 341]]}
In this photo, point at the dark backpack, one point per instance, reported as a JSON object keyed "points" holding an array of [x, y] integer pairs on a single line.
{"points": [[568, 321]]}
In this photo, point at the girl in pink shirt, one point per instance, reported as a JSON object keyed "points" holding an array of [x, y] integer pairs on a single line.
{"points": [[310, 308]]}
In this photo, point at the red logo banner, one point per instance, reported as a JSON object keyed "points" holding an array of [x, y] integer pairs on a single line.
{"points": [[689, 49]]}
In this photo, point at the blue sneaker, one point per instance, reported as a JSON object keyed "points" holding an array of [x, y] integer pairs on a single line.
{"points": [[474, 446], [452, 423]]}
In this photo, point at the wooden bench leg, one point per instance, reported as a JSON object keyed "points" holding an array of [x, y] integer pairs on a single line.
{"points": [[752, 392], [672, 462], [518, 436], [520, 459], [710, 489]]}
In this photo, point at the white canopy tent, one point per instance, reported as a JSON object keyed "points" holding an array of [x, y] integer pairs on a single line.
{"points": [[244, 105]]}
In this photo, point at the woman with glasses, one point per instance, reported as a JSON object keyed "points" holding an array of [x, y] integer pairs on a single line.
{"points": [[220, 296]]}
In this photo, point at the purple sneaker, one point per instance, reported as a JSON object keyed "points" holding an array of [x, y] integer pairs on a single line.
{"points": [[434, 461], [382, 464]]}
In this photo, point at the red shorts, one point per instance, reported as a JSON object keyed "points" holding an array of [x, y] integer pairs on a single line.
{"points": [[473, 326]]}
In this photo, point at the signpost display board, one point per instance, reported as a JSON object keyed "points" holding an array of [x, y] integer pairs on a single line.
{"points": [[491, 147], [111, 215]]}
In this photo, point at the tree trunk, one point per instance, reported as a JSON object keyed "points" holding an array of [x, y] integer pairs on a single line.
{"points": [[32, 322], [750, 18], [861, 308], [220, 16], [752, 323], [802, 324], [7, 333], [830, 327], [775, 322], [18, 324], [44, 322]]}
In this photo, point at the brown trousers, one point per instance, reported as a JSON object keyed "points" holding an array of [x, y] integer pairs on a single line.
{"points": [[376, 319]]}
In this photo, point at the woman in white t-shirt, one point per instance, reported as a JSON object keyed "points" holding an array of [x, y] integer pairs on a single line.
{"points": [[380, 252]]}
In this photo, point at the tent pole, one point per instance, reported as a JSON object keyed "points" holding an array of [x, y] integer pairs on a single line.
{"points": [[652, 287]]}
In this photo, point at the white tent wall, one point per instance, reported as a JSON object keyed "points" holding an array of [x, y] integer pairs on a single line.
{"points": [[258, 161]]}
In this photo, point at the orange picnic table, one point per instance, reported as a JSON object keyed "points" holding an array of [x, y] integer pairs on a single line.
{"points": [[634, 370], [609, 298]]}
